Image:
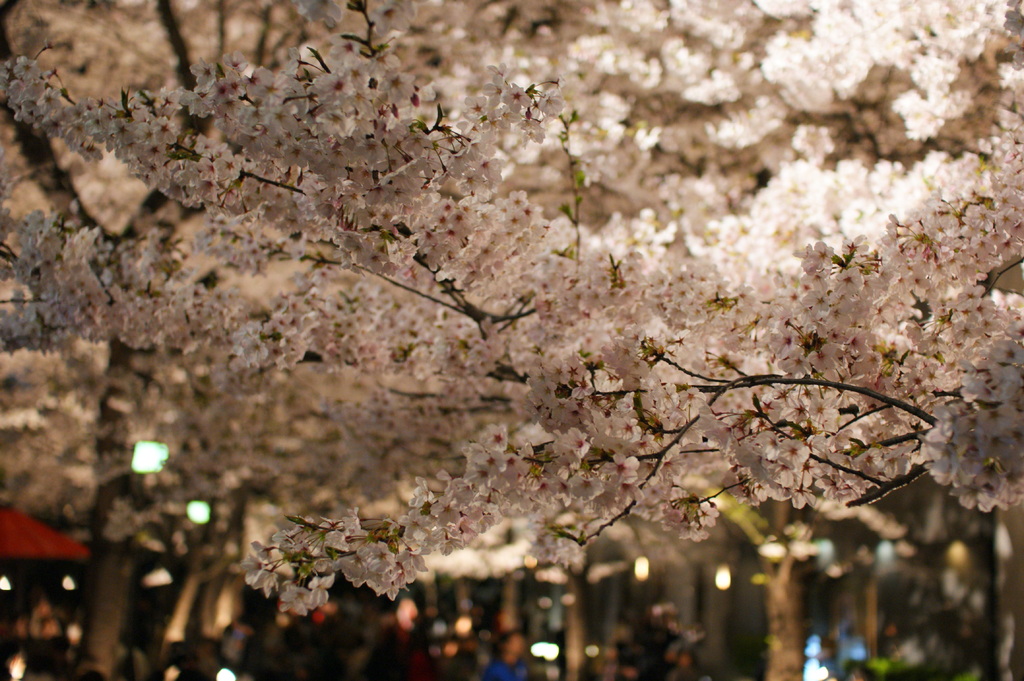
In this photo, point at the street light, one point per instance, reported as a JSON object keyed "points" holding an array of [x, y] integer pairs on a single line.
{"points": [[723, 577], [642, 569], [885, 555], [149, 457], [546, 650], [158, 577], [198, 512]]}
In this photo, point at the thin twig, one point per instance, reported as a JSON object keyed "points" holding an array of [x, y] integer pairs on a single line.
{"points": [[661, 357], [738, 483], [899, 439], [864, 415], [292, 188], [846, 469], [993, 278], [429, 395], [410, 289]]}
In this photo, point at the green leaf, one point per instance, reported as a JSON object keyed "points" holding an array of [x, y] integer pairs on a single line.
{"points": [[320, 59]]}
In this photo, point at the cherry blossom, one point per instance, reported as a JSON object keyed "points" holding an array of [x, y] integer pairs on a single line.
{"points": [[596, 279]]}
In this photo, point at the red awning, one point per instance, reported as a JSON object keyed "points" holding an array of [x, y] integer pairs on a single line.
{"points": [[26, 538]]}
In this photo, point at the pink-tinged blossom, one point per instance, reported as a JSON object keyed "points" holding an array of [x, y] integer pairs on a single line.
{"points": [[810, 335]]}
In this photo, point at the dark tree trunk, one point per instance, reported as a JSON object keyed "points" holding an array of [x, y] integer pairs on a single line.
{"points": [[177, 625], [108, 582], [784, 603], [106, 590], [785, 598], [575, 628]]}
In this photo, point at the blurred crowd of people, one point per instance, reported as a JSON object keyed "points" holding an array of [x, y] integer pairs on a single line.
{"points": [[36, 646], [349, 639], [656, 649]]}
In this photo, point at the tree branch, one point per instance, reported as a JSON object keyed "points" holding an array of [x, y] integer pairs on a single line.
{"points": [[221, 26], [260, 57], [660, 455], [184, 63], [35, 148], [891, 486], [771, 379]]}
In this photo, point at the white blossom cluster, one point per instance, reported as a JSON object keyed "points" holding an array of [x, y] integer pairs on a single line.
{"points": [[499, 480], [829, 333], [977, 442]]}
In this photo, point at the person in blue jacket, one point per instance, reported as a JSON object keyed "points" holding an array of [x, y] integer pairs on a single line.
{"points": [[508, 663]]}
